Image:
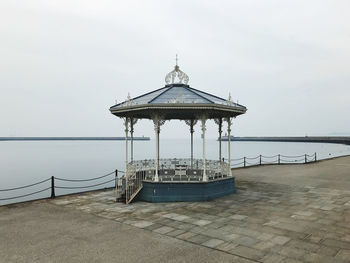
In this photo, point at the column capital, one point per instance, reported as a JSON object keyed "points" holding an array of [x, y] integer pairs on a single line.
{"points": [[133, 121], [191, 123], [157, 120], [218, 121]]}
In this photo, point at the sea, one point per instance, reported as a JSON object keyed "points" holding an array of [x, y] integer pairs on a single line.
{"points": [[27, 162]]}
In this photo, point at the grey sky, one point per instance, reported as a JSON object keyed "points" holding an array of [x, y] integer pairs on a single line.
{"points": [[64, 63]]}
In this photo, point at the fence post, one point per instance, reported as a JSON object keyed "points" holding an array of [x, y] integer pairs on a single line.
{"points": [[244, 162], [260, 159], [53, 187], [279, 159], [305, 159], [315, 157], [116, 179]]}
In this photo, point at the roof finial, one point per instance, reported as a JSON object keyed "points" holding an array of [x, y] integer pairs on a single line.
{"points": [[176, 76]]}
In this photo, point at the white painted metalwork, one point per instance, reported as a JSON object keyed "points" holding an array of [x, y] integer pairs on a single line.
{"points": [[219, 123], [181, 169], [132, 123], [191, 123], [229, 123], [205, 178], [157, 121], [126, 123], [176, 76], [157, 131]]}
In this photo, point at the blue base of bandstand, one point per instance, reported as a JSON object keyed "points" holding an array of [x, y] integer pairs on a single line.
{"points": [[186, 191]]}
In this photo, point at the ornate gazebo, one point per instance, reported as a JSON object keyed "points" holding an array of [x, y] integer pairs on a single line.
{"points": [[159, 180]]}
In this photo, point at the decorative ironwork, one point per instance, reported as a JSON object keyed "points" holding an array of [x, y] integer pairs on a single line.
{"points": [[176, 76], [191, 122], [133, 121], [180, 169], [229, 100]]}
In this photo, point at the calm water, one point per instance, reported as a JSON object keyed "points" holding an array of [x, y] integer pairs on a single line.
{"points": [[23, 163]]}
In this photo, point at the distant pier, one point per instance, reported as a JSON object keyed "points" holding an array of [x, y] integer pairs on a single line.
{"points": [[72, 138], [317, 139]]}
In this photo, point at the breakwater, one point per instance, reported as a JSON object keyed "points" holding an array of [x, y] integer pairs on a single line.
{"points": [[314, 139], [72, 138]]}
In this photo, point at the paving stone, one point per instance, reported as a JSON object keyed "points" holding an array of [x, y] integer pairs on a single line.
{"points": [[247, 232], [271, 223], [239, 217], [304, 213], [154, 226], [227, 246], [280, 240], [201, 222], [163, 230], [186, 235], [273, 258], [265, 236], [185, 226], [291, 227], [246, 241], [212, 243], [215, 225], [231, 237], [247, 252], [181, 217], [314, 238], [304, 245], [306, 218], [174, 224], [336, 243], [175, 232], [292, 252], [264, 245], [199, 239], [142, 224], [313, 257], [165, 221]]}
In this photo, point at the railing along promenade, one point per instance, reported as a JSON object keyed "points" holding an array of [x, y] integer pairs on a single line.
{"points": [[53, 183], [275, 159]]}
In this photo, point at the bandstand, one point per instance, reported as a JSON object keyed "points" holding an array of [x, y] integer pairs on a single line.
{"points": [[164, 180]]}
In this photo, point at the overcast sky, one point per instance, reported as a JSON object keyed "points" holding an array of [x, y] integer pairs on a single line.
{"points": [[64, 63]]}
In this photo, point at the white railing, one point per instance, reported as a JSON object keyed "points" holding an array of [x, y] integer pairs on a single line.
{"points": [[181, 169]]}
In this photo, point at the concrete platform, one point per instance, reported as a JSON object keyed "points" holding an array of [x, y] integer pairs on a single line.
{"points": [[289, 213]]}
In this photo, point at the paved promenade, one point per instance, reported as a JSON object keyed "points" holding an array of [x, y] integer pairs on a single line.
{"points": [[287, 213]]}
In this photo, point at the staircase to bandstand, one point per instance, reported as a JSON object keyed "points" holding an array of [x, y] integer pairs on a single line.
{"points": [[129, 185]]}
